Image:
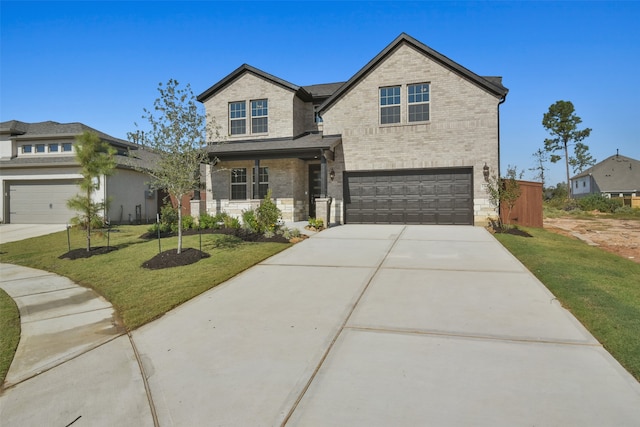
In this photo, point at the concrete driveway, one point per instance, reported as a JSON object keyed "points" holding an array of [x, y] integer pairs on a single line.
{"points": [[356, 326], [15, 232]]}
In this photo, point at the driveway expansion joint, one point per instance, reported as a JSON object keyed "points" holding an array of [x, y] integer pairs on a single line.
{"points": [[472, 336]]}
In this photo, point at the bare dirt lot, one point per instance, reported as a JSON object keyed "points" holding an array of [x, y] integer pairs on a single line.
{"points": [[619, 236]]}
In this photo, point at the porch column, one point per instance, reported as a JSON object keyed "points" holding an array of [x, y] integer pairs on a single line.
{"points": [[323, 175], [256, 179]]}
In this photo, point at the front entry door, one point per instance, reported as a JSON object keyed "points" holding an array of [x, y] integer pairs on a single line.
{"points": [[314, 188]]}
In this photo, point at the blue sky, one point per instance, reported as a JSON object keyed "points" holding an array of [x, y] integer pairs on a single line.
{"points": [[99, 63]]}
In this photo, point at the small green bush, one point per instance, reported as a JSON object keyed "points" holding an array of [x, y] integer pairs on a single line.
{"points": [[188, 222], [316, 223], [230, 222], [249, 221], [207, 221], [289, 233], [268, 215]]}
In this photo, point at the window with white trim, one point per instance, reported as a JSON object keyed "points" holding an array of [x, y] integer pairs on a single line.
{"points": [[418, 101], [27, 149], [389, 105], [237, 118], [67, 147], [259, 116], [39, 148], [53, 148], [263, 183], [239, 184]]}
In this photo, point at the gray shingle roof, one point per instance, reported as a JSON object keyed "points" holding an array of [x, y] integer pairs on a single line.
{"points": [[50, 129], [323, 90], [615, 174]]}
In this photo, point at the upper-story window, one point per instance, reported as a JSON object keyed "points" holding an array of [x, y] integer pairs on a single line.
{"points": [[259, 116], [53, 148], [39, 148], [27, 149], [418, 100], [238, 118], [67, 147], [390, 105]]}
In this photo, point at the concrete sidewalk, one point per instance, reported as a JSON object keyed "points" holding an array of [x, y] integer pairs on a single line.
{"points": [[360, 326]]}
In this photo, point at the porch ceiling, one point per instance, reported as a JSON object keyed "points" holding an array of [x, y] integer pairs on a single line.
{"points": [[307, 146]]}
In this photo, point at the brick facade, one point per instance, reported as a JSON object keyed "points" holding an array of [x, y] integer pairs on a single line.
{"points": [[462, 130]]}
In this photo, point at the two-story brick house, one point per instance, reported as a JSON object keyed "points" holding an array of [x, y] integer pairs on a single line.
{"points": [[409, 138]]}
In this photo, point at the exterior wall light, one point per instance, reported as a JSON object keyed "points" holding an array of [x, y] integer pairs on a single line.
{"points": [[485, 172], [332, 174]]}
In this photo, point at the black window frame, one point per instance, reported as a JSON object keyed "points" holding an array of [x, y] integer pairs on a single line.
{"points": [[238, 184], [263, 182]]}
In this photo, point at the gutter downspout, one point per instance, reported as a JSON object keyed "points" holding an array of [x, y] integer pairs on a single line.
{"points": [[502, 100]]}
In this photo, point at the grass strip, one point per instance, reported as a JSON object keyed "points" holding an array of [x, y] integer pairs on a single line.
{"points": [[601, 289], [10, 327], [138, 295]]}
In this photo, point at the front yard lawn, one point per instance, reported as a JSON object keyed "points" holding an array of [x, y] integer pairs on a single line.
{"points": [[138, 295], [601, 289]]}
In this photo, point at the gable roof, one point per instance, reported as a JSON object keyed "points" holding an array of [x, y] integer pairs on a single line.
{"points": [[615, 174], [245, 68], [492, 85]]}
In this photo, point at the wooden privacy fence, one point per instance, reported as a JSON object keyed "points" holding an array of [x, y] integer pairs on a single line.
{"points": [[527, 211]]}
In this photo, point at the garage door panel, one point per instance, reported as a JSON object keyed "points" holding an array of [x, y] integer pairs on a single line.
{"points": [[41, 202], [425, 196]]}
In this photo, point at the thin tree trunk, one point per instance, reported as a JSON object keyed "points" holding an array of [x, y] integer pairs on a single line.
{"points": [[179, 224], [566, 163], [89, 220]]}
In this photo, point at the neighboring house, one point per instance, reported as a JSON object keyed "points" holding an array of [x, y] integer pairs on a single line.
{"points": [[616, 176], [410, 138], [39, 173]]}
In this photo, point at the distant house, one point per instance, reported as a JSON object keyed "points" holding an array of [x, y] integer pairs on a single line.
{"points": [[39, 173], [616, 176], [410, 139]]}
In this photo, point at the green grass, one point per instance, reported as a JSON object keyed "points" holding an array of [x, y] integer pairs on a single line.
{"points": [[10, 327], [138, 295], [601, 289]]}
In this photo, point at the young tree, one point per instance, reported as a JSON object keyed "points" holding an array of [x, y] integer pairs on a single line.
{"points": [[562, 123], [505, 190], [178, 136], [96, 159], [541, 158], [582, 159]]}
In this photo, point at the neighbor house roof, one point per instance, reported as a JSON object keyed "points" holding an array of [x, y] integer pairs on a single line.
{"points": [[491, 84], [615, 174], [47, 130], [245, 68], [306, 146]]}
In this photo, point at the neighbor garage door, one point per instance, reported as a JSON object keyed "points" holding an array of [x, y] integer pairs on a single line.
{"points": [[417, 196], [41, 202]]}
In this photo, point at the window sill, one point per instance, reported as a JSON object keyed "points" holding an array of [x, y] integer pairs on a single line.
{"points": [[395, 125]]}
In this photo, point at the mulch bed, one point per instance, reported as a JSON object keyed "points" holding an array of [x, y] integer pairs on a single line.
{"points": [[171, 258], [83, 253], [241, 233], [514, 231]]}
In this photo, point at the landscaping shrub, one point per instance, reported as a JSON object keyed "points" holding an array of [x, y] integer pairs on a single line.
{"points": [[188, 222], [207, 221], [316, 223], [249, 221], [600, 203], [229, 221], [268, 215]]}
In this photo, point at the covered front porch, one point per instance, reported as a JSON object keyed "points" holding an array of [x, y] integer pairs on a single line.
{"points": [[298, 171]]}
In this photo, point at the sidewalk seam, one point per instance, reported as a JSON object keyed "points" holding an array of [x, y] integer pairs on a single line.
{"points": [[147, 388]]}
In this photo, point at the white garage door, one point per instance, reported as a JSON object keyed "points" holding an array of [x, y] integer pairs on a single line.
{"points": [[41, 202]]}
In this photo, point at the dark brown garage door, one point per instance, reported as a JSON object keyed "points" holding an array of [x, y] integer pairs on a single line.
{"points": [[416, 196]]}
